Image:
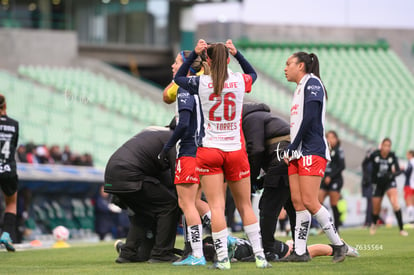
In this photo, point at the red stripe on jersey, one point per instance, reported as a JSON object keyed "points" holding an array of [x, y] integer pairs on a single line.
{"points": [[248, 81]]}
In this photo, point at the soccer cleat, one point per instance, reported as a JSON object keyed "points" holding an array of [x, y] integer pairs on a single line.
{"points": [[295, 258], [223, 265], [339, 252], [231, 246], [7, 242], [262, 262], [271, 257], [352, 251], [121, 260], [191, 260], [403, 233], [118, 246]]}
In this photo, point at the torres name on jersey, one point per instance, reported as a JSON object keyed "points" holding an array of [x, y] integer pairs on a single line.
{"points": [[222, 113]]}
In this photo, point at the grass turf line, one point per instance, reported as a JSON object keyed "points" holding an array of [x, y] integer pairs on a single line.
{"points": [[386, 252]]}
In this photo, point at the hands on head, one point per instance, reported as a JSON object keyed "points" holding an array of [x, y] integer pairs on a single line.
{"points": [[231, 47], [202, 46]]}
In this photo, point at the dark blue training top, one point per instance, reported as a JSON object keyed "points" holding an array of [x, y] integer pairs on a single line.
{"points": [[188, 127], [310, 137]]}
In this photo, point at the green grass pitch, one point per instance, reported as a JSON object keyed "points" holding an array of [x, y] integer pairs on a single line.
{"points": [[384, 253]]}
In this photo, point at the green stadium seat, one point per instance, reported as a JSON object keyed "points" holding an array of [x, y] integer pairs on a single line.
{"points": [[363, 82]]}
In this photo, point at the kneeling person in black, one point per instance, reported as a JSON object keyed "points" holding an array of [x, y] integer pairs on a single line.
{"points": [[136, 176]]}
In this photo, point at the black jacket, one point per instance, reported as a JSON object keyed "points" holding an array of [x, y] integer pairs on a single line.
{"points": [[137, 160], [259, 125], [385, 169], [335, 167]]}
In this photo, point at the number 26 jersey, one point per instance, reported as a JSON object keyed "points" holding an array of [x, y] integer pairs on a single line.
{"points": [[222, 113]]}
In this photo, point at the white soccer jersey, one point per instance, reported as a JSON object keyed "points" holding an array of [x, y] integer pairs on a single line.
{"points": [[411, 179], [313, 142], [222, 113]]}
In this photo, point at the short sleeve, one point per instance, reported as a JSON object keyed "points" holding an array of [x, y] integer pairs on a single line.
{"points": [[314, 90], [248, 81]]}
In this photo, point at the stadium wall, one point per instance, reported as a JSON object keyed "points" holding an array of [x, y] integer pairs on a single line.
{"points": [[400, 40], [41, 47]]}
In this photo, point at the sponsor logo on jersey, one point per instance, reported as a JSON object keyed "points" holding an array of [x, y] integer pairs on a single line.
{"points": [[243, 173], [8, 128], [191, 178], [294, 109], [321, 172], [183, 95], [227, 85], [202, 170], [314, 87]]}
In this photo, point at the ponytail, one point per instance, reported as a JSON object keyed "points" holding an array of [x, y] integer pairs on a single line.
{"points": [[314, 66], [311, 62], [218, 53]]}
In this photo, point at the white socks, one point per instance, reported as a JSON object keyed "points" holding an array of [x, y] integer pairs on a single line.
{"points": [[220, 244], [207, 215], [206, 222], [325, 220], [195, 238], [253, 234], [410, 213], [303, 222]]}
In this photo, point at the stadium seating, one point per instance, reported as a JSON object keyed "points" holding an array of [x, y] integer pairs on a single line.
{"points": [[277, 98], [78, 108], [368, 86]]}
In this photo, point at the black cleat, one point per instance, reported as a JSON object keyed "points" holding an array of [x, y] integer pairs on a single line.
{"points": [[121, 260], [272, 257], [339, 253], [295, 258]]}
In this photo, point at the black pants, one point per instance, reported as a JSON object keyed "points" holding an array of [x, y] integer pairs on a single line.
{"points": [[270, 205], [367, 193], [140, 239], [155, 202]]}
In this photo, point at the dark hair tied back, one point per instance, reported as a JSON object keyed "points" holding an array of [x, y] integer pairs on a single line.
{"points": [[311, 62]]}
